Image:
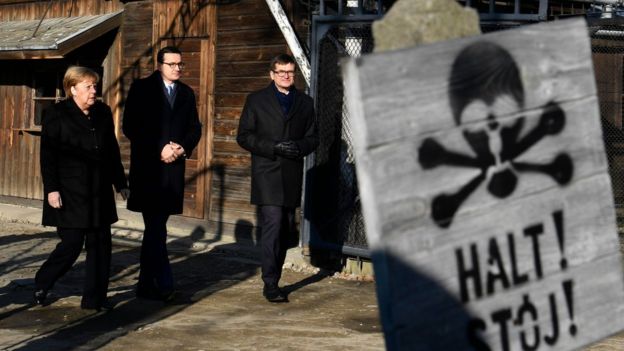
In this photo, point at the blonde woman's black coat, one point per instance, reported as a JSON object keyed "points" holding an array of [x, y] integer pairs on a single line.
{"points": [[80, 159]]}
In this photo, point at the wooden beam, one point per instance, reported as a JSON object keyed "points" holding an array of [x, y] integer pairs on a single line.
{"points": [[42, 49], [291, 38]]}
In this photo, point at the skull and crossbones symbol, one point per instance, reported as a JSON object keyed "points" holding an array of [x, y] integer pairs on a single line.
{"points": [[484, 71]]}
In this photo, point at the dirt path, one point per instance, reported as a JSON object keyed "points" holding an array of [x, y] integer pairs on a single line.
{"points": [[219, 306]]}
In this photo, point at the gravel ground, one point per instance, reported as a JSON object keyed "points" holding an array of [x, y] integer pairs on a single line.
{"points": [[219, 305]]}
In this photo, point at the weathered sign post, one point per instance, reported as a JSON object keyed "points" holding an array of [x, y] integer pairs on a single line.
{"points": [[485, 192]]}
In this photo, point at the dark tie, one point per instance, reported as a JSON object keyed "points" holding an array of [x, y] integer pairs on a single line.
{"points": [[170, 94]]}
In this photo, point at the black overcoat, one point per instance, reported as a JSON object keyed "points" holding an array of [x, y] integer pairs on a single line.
{"points": [[276, 180], [80, 159], [150, 123]]}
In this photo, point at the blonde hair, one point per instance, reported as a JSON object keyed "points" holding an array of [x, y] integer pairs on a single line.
{"points": [[75, 75]]}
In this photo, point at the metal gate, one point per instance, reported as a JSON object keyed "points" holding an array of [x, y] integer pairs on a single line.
{"points": [[333, 216], [333, 211], [607, 38]]}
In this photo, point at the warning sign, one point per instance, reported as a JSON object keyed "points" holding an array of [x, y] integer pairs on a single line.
{"points": [[485, 192]]}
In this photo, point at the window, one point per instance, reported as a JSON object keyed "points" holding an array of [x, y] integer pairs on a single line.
{"points": [[48, 89]]}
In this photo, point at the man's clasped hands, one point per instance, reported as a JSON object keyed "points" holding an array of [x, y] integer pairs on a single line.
{"points": [[171, 152]]}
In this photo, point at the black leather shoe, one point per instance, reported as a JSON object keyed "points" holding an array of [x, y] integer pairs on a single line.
{"points": [[104, 306], [155, 294], [168, 296], [39, 296], [273, 293]]}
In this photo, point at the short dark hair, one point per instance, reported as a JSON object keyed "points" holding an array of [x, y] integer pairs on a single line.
{"points": [[160, 57], [282, 59]]}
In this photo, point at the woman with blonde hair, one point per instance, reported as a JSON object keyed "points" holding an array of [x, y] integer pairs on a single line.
{"points": [[80, 164]]}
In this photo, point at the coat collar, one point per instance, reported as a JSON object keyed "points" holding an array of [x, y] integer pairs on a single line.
{"points": [[158, 89], [76, 113], [270, 90], [296, 103]]}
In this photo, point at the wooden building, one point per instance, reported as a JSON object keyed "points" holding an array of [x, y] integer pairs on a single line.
{"points": [[226, 44]]}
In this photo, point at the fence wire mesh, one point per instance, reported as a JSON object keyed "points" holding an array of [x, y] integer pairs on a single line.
{"points": [[607, 53], [336, 214]]}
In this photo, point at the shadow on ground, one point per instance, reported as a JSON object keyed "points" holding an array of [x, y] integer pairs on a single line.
{"points": [[197, 275]]}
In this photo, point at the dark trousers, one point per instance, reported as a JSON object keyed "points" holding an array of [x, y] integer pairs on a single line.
{"points": [[97, 265], [278, 229], [155, 273]]}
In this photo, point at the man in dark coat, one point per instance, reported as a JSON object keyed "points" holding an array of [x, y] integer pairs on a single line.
{"points": [[80, 162], [162, 124], [278, 127]]}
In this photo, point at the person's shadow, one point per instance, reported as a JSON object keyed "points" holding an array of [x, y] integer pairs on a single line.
{"points": [[322, 274], [198, 275], [20, 250], [418, 313]]}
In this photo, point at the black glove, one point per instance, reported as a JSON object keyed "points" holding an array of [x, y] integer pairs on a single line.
{"points": [[288, 149]]}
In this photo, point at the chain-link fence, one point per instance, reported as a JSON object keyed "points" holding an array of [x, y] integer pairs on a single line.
{"points": [[334, 202], [608, 53]]}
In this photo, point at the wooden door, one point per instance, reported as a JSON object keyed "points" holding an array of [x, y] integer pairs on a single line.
{"points": [[196, 53]]}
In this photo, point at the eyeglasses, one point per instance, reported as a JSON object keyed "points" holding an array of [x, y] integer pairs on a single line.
{"points": [[180, 65], [284, 73]]}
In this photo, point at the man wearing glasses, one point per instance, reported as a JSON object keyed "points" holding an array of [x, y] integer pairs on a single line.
{"points": [[278, 127], [161, 121]]}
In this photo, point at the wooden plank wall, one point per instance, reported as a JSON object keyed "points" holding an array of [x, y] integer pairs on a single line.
{"points": [[29, 10], [247, 39], [180, 19], [136, 60], [234, 42], [191, 26], [194, 53], [19, 148], [19, 143]]}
